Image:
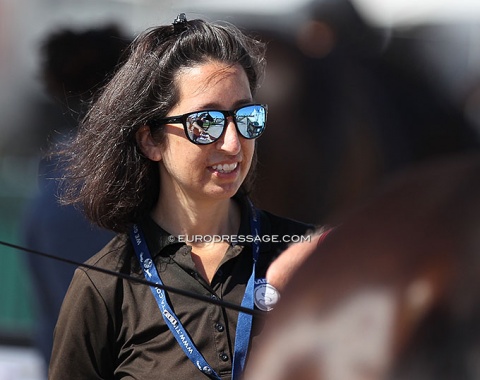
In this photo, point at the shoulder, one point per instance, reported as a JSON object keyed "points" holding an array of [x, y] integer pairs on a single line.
{"points": [[269, 223], [116, 257], [279, 232], [275, 224], [111, 255]]}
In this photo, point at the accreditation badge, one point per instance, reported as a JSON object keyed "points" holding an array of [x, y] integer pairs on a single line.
{"points": [[265, 295]]}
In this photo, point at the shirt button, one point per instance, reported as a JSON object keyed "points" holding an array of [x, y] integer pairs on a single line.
{"points": [[219, 327], [224, 356]]}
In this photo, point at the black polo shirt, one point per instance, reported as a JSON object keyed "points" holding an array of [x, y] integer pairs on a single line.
{"points": [[112, 328]]}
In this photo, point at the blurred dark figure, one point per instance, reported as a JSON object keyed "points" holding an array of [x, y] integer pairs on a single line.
{"points": [[74, 64], [349, 105], [392, 293]]}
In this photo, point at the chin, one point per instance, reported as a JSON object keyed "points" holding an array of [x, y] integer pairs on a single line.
{"points": [[224, 192]]}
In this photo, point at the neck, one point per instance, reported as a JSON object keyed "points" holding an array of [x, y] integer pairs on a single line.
{"points": [[218, 217]]}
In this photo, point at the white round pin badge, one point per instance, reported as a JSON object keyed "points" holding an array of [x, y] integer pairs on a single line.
{"points": [[265, 296]]}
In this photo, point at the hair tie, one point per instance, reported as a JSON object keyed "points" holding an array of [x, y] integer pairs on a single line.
{"points": [[180, 23]]}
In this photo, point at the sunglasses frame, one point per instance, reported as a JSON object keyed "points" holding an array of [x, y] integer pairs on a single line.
{"points": [[182, 119]]}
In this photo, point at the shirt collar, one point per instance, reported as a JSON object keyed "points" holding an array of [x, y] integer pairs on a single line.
{"points": [[158, 239]]}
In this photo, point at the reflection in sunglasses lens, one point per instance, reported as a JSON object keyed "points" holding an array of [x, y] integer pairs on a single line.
{"points": [[251, 121], [207, 126]]}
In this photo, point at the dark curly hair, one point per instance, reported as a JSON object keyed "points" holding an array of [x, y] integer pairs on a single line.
{"points": [[105, 172]]}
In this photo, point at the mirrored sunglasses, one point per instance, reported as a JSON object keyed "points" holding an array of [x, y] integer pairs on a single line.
{"points": [[207, 126]]}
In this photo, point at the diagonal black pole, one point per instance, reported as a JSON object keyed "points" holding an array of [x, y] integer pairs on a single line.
{"points": [[124, 276]]}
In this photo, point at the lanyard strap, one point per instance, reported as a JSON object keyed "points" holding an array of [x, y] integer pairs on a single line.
{"points": [[173, 323], [244, 323]]}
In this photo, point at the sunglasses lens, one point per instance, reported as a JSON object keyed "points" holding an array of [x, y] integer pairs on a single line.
{"points": [[205, 127], [251, 121]]}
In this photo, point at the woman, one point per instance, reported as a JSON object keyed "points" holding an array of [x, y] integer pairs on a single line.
{"points": [[178, 201]]}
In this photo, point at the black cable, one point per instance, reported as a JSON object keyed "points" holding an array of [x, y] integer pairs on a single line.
{"points": [[184, 293]]}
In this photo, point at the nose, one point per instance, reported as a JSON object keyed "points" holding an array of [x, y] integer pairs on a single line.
{"points": [[230, 141]]}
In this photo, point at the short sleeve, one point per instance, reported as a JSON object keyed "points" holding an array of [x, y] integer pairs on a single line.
{"points": [[82, 347]]}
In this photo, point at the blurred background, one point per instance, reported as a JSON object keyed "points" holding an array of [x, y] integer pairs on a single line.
{"points": [[357, 90]]}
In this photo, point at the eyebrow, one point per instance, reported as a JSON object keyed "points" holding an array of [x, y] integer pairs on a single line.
{"points": [[237, 104]]}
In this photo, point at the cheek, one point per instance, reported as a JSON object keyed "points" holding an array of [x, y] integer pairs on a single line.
{"points": [[248, 150], [178, 153]]}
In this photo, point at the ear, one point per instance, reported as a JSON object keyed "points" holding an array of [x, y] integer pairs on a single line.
{"points": [[149, 147]]}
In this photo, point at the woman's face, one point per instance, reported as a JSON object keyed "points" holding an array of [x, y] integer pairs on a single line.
{"points": [[214, 171]]}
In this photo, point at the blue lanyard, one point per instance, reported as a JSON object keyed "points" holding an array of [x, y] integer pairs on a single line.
{"points": [[244, 323]]}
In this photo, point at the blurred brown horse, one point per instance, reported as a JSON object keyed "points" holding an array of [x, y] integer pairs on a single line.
{"points": [[393, 292]]}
